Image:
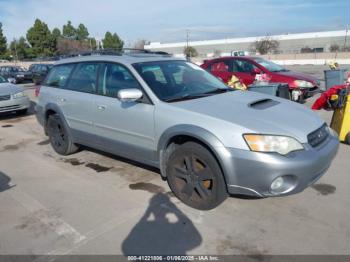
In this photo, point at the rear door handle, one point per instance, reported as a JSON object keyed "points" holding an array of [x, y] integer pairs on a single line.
{"points": [[101, 107], [62, 100]]}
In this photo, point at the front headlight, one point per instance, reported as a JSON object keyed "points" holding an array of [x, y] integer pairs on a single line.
{"points": [[18, 95], [270, 143], [303, 84]]}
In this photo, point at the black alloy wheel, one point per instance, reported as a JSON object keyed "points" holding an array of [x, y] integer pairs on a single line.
{"points": [[195, 177]]}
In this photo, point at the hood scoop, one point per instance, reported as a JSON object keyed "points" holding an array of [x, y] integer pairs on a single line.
{"points": [[263, 104]]}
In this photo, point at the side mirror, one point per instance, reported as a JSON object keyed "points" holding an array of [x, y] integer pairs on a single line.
{"points": [[256, 71], [129, 95]]}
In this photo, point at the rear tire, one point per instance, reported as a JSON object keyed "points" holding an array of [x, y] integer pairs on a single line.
{"points": [[195, 177], [59, 136]]}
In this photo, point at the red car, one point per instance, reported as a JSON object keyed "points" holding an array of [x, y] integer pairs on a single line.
{"points": [[301, 85]]}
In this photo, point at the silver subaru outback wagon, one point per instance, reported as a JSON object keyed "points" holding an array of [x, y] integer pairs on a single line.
{"points": [[209, 141]]}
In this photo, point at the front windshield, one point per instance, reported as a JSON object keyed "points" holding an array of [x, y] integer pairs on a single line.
{"points": [[272, 67], [178, 80], [2, 80]]}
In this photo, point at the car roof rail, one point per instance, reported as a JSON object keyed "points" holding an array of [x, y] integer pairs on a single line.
{"points": [[102, 52], [113, 52], [135, 51], [93, 52]]}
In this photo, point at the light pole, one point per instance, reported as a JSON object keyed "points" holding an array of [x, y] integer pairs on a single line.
{"points": [[188, 54], [346, 38]]}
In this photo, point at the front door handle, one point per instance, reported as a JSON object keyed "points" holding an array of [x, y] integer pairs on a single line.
{"points": [[62, 100], [101, 107]]}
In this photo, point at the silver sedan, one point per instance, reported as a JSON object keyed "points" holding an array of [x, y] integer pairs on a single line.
{"points": [[12, 98]]}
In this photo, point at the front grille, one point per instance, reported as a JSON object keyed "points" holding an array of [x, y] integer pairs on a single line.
{"points": [[318, 136], [3, 98]]}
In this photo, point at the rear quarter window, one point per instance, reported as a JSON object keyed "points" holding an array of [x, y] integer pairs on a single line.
{"points": [[83, 78], [59, 75]]}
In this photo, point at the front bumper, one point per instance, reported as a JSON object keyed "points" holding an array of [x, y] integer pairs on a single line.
{"points": [[19, 79], [252, 173], [14, 104]]}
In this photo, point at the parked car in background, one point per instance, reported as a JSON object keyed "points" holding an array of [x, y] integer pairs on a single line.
{"points": [[208, 140], [12, 98], [39, 72], [239, 53], [301, 86], [15, 74]]}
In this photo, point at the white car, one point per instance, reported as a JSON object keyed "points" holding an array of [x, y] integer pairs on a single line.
{"points": [[12, 98]]}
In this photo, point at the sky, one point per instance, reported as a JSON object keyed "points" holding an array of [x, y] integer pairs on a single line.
{"points": [[167, 21]]}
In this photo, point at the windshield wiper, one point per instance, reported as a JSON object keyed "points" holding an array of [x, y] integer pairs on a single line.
{"points": [[185, 97], [194, 96], [219, 91]]}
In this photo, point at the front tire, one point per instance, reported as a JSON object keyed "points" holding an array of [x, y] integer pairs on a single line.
{"points": [[59, 137], [195, 177]]}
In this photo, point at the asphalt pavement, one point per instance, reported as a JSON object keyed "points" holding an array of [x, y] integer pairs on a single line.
{"points": [[96, 203]]}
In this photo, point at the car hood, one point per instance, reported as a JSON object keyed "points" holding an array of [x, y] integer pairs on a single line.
{"points": [[298, 76], [9, 89], [257, 113]]}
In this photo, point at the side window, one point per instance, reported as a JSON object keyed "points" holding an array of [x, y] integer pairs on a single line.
{"points": [[115, 77], [243, 66], [83, 78], [221, 66], [59, 75], [44, 69]]}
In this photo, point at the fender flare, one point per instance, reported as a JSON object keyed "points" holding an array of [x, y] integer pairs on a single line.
{"points": [[56, 108], [199, 133]]}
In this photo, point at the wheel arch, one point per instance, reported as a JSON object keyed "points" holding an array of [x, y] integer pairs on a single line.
{"points": [[51, 109], [184, 133]]}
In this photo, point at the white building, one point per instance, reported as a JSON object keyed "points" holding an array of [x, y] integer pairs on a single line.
{"points": [[288, 43]]}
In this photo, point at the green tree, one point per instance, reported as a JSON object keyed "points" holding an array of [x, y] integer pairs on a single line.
{"points": [[190, 51], [20, 49], [56, 34], [69, 31], [40, 38], [3, 43], [82, 32], [112, 41]]}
